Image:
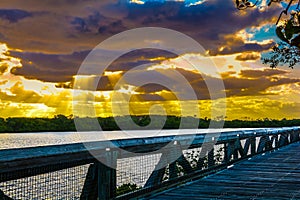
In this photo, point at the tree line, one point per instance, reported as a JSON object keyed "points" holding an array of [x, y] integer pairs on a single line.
{"points": [[66, 123]]}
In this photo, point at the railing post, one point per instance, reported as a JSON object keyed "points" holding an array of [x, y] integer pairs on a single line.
{"points": [[173, 170], [275, 141], [262, 144], [246, 147], [269, 143], [253, 145], [89, 190], [211, 158], [207, 151], [283, 140], [100, 182], [294, 136], [169, 157], [230, 150], [226, 160], [238, 149], [107, 182]]}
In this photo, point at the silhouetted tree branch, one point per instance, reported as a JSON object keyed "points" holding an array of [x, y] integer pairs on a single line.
{"points": [[287, 51], [288, 31], [283, 53]]}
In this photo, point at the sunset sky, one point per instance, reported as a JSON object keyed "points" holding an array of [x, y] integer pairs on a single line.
{"points": [[43, 43]]}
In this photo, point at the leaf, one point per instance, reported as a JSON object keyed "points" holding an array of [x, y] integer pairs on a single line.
{"points": [[296, 41], [282, 54], [289, 30], [280, 35]]}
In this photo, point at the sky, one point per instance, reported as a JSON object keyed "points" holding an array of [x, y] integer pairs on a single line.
{"points": [[43, 45]]}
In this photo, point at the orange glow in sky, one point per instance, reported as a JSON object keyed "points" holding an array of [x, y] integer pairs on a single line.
{"points": [[42, 46]]}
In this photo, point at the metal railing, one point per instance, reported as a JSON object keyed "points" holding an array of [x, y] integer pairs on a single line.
{"points": [[73, 171]]}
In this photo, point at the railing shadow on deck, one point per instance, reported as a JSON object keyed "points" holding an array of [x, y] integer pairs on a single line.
{"points": [[73, 172]]}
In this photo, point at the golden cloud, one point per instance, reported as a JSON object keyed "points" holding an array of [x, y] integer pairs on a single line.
{"points": [[245, 56]]}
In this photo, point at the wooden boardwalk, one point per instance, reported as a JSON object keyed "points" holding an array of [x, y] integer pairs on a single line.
{"points": [[274, 175]]}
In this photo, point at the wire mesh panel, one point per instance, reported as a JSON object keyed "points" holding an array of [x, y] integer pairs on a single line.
{"points": [[63, 184], [192, 155], [136, 170], [198, 156]]}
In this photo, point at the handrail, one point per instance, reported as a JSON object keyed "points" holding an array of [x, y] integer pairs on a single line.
{"points": [[8, 155]]}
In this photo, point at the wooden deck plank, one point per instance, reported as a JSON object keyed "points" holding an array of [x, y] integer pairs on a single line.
{"points": [[274, 175]]}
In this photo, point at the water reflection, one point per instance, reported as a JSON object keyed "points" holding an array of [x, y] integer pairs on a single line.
{"points": [[17, 140]]}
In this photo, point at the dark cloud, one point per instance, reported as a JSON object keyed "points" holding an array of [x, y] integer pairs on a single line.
{"points": [[140, 57], [56, 41], [2, 37], [112, 28], [90, 22], [209, 23], [146, 97], [261, 73], [49, 67], [97, 23], [62, 67], [255, 82], [243, 47], [14, 15], [80, 25], [150, 88]]}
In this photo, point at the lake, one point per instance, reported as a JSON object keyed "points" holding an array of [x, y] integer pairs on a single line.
{"points": [[17, 140]]}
